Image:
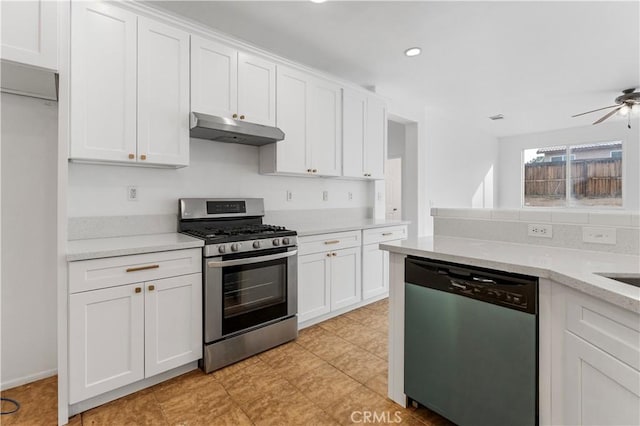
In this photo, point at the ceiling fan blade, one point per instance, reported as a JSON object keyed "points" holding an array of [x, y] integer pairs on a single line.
{"points": [[589, 112], [609, 114]]}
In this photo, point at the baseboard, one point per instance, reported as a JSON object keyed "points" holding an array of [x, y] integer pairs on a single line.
{"points": [[27, 379]]}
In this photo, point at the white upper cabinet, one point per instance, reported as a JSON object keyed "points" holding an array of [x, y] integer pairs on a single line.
{"points": [[364, 134], [103, 83], [163, 94], [232, 84], [309, 113], [214, 78], [129, 88], [30, 32]]}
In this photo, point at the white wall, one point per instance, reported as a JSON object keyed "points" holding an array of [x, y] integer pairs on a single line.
{"points": [[462, 162], [510, 157], [29, 155], [216, 170]]}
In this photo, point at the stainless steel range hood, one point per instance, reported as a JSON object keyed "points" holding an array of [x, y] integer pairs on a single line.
{"points": [[220, 129]]}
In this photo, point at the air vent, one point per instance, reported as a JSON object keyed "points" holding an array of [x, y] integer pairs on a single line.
{"points": [[497, 117]]}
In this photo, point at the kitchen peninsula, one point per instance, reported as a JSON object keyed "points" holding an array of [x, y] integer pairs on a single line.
{"points": [[589, 325]]}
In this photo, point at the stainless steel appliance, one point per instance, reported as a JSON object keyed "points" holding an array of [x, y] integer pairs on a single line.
{"points": [[223, 129], [250, 278], [471, 343]]}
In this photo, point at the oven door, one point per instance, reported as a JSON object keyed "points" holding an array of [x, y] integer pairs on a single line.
{"points": [[243, 291]]}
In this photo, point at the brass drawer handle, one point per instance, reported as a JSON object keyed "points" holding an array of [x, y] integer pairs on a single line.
{"points": [[152, 287], [332, 242], [386, 234], [131, 156], [308, 170], [315, 170], [242, 117], [142, 268], [334, 254], [235, 116], [143, 157], [138, 290], [328, 254]]}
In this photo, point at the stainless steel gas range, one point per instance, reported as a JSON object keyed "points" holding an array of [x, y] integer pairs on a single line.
{"points": [[250, 278]]}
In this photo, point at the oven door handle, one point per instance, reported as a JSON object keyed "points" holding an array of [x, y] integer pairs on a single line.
{"points": [[249, 260]]}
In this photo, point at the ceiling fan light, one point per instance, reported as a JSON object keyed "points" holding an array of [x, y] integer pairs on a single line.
{"points": [[635, 109], [624, 110]]}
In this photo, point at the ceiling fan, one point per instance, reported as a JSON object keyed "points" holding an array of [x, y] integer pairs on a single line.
{"points": [[625, 103]]}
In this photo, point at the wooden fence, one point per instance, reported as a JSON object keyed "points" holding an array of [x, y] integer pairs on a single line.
{"points": [[591, 178]]}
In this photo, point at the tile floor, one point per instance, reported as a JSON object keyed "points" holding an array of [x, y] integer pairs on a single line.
{"points": [[334, 373]]}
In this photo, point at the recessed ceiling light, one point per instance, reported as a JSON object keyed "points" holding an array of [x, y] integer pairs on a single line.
{"points": [[413, 51], [318, 1]]}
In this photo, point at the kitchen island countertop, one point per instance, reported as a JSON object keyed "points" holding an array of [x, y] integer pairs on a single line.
{"points": [[574, 268]]}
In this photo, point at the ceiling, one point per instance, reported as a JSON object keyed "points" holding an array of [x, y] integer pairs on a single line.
{"points": [[537, 63]]}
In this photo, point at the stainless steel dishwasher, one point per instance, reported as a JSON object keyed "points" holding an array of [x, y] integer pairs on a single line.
{"points": [[471, 343]]}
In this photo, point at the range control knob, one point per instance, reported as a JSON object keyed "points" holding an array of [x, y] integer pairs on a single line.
{"points": [[235, 246], [222, 249], [286, 241], [256, 244], [276, 242]]}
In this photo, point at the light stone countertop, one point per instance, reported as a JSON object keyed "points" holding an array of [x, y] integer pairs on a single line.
{"points": [[122, 246], [331, 224], [571, 267]]}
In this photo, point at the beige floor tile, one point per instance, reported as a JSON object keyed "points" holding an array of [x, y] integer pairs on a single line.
{"points": [[360, 403], [378, 384], [326, 345], [234, 368], [377, 345], [355, 333], [293, 362], [325, 385], [141, 408], [293, 409], [255, 381], [199, 406], [359, 364], [336, 323], [182, 385], [38, 403]]}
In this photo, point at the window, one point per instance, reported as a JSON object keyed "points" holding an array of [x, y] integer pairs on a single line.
{"points": [[592, 175]]}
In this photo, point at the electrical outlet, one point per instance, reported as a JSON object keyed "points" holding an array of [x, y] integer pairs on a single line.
{"points": [[289, 195], [350, 195], [539, 230], [132, 193], [598, 235], [325, 195]]}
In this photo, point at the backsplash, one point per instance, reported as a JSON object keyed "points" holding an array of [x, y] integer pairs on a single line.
{"points": [[81, 228], [567, 228]]}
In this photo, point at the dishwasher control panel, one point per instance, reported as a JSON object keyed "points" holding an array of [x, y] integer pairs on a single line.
{"points": [[505, 289]]}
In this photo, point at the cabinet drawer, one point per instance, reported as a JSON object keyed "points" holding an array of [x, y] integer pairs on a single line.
{"points": [[379, 235], [328, 242], [113, 271], [614, 330]]}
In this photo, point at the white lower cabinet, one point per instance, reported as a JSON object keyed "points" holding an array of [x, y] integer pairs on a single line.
{"points": [[375, 262], [595, 361], [329, 268], [122, 334]]}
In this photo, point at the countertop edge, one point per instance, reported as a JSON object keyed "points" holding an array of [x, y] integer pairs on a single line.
{"points": [[607, 295], [346, 228]]}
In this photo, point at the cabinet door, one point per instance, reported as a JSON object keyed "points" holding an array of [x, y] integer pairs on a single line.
{"points": [[354, 109], [598, 388], [103, 87], [313, 286], [30, 32], [163, 94], [375, 271], [293, 155], [324, 135], [376, 135], [214, 78], [256, 90], [345, 278], [173, 322], [106, 340]]}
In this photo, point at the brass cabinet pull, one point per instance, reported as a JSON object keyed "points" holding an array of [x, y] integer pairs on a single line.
{"points": [[132, 156], [386, 234], [315, 170], [143, 157], [328, 254], [138, 290], [332, 242], [152, 287], [308, 170], [142, 268], [235, 116], [334, 254], [242, 117]]}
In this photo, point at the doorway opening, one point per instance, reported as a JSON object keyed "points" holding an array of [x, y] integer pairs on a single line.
{"points": [[393, 171]]}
